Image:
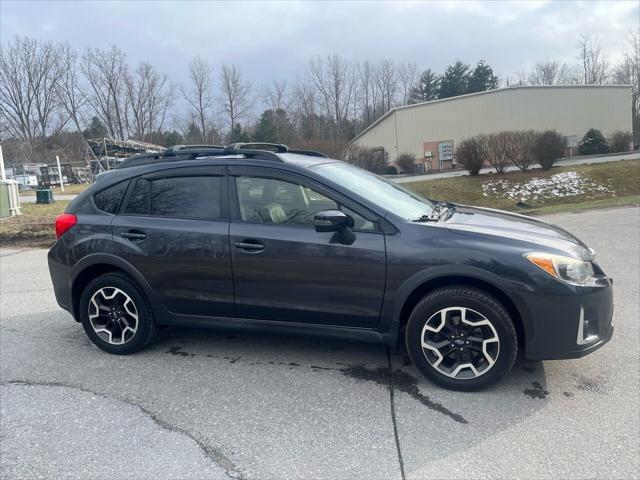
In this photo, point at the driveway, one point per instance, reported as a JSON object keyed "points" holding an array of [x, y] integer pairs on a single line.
{"points": [[214, 404]]}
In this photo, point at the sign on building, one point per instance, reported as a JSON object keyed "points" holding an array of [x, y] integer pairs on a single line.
{"points": [[445, 151]]}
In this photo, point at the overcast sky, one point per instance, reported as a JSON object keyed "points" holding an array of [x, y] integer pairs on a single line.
{"points": [[275, 39]]}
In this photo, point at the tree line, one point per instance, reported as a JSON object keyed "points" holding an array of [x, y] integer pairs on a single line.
{"points": [[52, 96]]}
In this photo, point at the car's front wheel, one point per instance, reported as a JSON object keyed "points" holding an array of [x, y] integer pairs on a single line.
{"points": [[115, 314], [461, 338]]}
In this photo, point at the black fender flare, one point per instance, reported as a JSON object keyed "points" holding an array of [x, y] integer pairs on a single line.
{"points": [[508, 288], [121, 264]]}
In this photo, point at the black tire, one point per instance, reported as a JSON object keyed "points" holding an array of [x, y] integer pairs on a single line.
{"points": [[146, 326], [482, 303]]}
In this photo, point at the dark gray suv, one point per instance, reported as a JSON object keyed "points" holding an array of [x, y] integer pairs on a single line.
{"points": [[259, 236]]}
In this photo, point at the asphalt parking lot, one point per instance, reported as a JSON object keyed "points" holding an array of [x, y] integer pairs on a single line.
{"points": [[213, 404]]}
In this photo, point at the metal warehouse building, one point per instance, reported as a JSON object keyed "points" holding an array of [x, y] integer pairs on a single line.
{"points": [[431, 130]]}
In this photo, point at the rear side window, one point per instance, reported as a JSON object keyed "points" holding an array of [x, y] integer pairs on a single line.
{"points": [[108, 200], [182, 197]]}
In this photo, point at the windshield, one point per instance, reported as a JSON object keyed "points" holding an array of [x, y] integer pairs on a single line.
{"points": [[387, 194]]}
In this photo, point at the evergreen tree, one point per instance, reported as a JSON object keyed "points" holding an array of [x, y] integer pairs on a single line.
{"points": [[455, 80], [426, 88], [593, 142], [96, 129], [193, 135], [173, 138], [274, 126], [482, 78], [238, 135]]}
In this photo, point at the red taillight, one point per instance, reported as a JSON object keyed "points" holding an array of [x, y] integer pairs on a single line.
{"points": [[64, 222]]}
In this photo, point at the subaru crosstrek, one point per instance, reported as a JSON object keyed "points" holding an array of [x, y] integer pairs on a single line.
{"points": [[262, 237]]}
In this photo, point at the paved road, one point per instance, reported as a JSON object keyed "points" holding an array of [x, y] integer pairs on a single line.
{"points": [[207, 404], [562, 163], [56, 196]]}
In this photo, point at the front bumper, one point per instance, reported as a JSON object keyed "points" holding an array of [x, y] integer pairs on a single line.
{"points": [[569, 321]]}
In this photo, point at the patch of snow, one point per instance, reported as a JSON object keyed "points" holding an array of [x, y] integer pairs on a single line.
{"points": [[564, 184]]}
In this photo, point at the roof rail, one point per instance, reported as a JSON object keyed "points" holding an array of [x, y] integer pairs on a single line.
{"points": [[253, 154], [258, 151], [310, 153], [271, 147], [191, 152], [183, 148]]}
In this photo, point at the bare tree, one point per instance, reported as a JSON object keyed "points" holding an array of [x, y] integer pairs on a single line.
{"points": [[549, 72], [305, 109], [407, 77], [276, 96], [368, 93], [387, 84], [499, 150], [199, 94], [70, 94], [234, 94], [334, 81], [593, 65], [105, 72], [522, 148], [628, 73], [29, 76], [149, 95]]}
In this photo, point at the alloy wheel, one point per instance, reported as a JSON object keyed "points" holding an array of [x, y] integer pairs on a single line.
{"points": [[460, 343], [113, 315]]}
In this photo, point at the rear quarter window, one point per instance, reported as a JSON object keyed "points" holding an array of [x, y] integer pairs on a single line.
{"points": [[108, 200]]}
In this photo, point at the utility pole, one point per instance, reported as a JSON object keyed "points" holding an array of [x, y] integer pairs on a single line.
{"points": [[60, 173], [3, 175]]}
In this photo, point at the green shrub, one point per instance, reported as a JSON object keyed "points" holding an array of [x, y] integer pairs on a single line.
{"points": [[391, 170], [547, 148], [593, 143]]}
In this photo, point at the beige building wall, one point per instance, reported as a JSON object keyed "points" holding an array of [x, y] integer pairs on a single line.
{"points": [[571, 110]]}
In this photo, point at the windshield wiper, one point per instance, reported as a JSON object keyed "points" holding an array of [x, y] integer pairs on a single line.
{"points": [[439, 209], [426, 218]]}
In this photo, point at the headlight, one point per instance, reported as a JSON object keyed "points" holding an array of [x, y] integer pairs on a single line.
{"points": [[571, 270]]}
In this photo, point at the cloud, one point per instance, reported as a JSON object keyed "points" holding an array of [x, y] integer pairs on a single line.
{"points": [[275, 39]]}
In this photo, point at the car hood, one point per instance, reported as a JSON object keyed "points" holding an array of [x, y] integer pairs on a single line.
{"points": [[486, 221]]}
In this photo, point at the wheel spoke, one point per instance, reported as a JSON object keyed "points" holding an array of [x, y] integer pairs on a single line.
{"points": [[460, 342], [113, 315]]}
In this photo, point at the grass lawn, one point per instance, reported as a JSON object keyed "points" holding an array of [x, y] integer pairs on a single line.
{"points": [[68, 190], [34, 228], [599, 185]]}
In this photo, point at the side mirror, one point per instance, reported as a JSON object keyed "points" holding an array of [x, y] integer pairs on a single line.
{"points": [[331, 221]]}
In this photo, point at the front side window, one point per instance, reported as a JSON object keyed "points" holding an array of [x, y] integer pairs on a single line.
{"points": [[267, 200], [180, 197]]}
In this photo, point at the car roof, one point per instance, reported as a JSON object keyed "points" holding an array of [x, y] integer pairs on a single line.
{"points": [[259, 151], [283, 161]]}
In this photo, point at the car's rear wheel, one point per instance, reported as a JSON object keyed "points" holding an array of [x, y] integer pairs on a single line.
{"points": [[461, 338], [115, 314]]}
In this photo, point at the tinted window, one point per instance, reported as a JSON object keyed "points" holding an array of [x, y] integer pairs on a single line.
{"points": [[266, 200], [184, 197], [108, 200]]}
